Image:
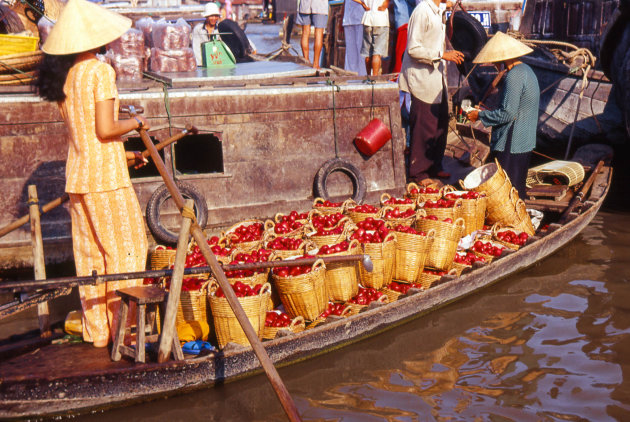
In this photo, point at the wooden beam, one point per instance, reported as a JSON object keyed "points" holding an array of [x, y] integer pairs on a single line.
{"points": [[43, 314]]}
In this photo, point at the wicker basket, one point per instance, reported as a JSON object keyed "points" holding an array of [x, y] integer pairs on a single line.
{"points": [[403, 207], [392, 295], [570, 172], [357, 217], [270, 230], [452, 231], [297, 325], [320, 240], [192, 305], [355, 308], [243, 246], [307, 246], [473, 211], [453, 212], [488, 258], [278, 218], [496, 229], [441, 253], [511, 213], [382, 255], [342, 278], [303, 294], [23, 62], [411, 252], [426, 196], [162, 258], [407, 221], [227, 327], [459, 268], [428, 280], [329, 210]]}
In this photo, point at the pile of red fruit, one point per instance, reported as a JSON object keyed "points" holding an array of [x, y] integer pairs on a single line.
{"points": [[398, 201], [440, 203], [371, 230], [487, 248], [287, 225], [293, 271], [409, 230], [293, 215], [331, 249], [415, 191], [285, 244], [325, 224], [435, 218], [260, 255], [328, 204], [471, 194], [190, 284], [403, 287], [333, 309], [366, 296], [396, 213], [277, 319], [468, 258], [241, 290], [511, 237], [247, 233], [365, 209]]}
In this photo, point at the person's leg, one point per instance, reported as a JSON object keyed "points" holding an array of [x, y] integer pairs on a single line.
{"points": [[317, 46], [354, 37], [306, 31], [439, 144], [368, 65], [380, 45], [423, 122], [376, 64]]}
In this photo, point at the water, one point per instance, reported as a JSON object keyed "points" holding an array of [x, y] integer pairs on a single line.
{"points": [[550, 343]]}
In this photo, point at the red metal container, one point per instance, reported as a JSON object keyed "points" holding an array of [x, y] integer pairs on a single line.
{"points": [[372, 137]]}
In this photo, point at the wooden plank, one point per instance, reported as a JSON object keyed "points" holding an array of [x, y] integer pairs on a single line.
{"points": [[43, 313], [553, 191]]}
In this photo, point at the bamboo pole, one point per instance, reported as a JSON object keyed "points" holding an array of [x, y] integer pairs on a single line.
{"points": [[168, 327], [43, 314], [271, 372]]}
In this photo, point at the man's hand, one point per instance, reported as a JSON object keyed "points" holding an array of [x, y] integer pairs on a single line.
{"points": [[454, 56], [383, 6], [365, 6]]}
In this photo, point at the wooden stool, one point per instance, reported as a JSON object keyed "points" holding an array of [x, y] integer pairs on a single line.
{"points": [[141, 296]]}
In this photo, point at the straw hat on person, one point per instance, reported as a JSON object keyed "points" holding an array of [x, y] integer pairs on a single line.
{"points": [[211, 9], [501, 47], [84, 26]]}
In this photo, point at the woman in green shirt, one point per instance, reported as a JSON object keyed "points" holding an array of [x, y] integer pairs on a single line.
{"points": [[514, 123]]}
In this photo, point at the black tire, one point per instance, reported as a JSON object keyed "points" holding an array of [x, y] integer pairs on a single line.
{"points": [[469, 36], [161, 194], [234, 37], [337, 164], [10, 22]]}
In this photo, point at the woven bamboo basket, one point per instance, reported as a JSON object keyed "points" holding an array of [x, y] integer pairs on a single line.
{"points": [[11, 63], [394, 222], [569, 172], [441, 253], [428, 280], [296, 233], [511, 213], [488, 258], [403, 207], [297, 325], [306, 247], [342, 278], [496, 229], [523, 221], [318, 321], [473, 211], [487, 178], [453, 212], [382, 255], [243, 246], [278, 218], [329, 210], [18, 78], [226, 325], [355, 308], [357, 217], [426, 196], [392, 295], [411, 252], [459, 268], [192, 305], [452, 231], [320, 240], [304, 294], [162, 258]]}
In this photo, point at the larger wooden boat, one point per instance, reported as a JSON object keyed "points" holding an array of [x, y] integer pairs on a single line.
{"points": [[71, 378]]}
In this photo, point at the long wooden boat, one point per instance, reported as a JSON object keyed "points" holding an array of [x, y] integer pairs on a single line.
{"points": [[73, 378]]}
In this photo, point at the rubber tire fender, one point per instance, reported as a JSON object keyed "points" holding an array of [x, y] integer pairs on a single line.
{"points": [[160, 233], [469, 36], [234, 38], [349, 169]]}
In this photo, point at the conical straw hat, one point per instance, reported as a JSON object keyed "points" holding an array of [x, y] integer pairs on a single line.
{"points": [[501, 47], [84, 26]]}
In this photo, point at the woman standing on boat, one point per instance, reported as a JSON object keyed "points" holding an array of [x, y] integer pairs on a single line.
{"points": [[514, 123], [108, 232]]}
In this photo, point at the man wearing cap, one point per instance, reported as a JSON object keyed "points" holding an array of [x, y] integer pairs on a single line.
{"points": [[108, 233], [423, 76], [202, 31], [514, 123]]}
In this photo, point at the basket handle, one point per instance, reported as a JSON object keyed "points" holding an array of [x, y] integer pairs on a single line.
{"points": [[382, 299], [381, 213], [354, 243], [513, 192], [431, 234], [266, 289], [458, 203], [278, 217], [318, 200], [421, 212], [385, 197], [213, 286], [349, 203], [411, 186], [463, 184], [269, 225], [318, 264], [391, 236], [309, 230], [309, 246], [346, 311], [460, 222], [298, 320], [452, 271], [343, 220], [314, 212]]}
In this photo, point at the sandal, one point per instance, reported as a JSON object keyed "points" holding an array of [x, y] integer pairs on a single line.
{"points": [[196, 346]]}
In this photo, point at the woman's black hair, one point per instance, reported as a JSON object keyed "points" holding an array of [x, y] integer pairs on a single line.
{"points": [[53, 71]]}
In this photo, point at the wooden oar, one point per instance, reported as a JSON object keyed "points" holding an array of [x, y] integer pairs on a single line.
{"points": [[50, 283], [63, 198], [196, 231], [579, 198]]}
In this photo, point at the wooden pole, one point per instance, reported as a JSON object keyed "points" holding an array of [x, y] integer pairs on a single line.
{"points": [[43, 313], [63, 198], [271, 372], [168, 325]]}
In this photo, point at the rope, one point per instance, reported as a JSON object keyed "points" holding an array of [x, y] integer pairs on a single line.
{"points": [[189, 213], [372, 82], [337, 88], [167, 104]]}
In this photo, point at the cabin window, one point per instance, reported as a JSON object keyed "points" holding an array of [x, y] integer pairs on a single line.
{"points": [[136, 144], [199, 154], [543, 18]]}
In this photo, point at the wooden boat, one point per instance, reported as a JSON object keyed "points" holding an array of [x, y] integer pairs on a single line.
{"points": [[71, 378]]}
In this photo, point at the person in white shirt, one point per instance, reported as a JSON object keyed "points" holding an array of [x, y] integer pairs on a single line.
{"points": [[375, 33], [422, 75], [202, 31]]}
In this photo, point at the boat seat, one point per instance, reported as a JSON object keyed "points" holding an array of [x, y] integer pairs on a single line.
{"points": [[142, 296]]}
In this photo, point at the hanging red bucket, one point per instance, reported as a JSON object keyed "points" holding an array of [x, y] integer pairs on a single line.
{"points": [[372, 137]]}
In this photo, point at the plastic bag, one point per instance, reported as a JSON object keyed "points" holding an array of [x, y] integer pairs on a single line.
{"points": [[173, 60], [146, 26], [171, 36]]}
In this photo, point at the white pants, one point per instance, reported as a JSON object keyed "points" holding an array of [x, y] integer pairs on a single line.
{"points": [[354, 38]]}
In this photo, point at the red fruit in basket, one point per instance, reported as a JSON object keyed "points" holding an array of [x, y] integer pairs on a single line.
{"points": [[448, 220], [414, 191], [432, 217]]}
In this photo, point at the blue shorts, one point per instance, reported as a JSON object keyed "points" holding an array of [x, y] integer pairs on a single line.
{"points": [[375, 41], [312, 19]]}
